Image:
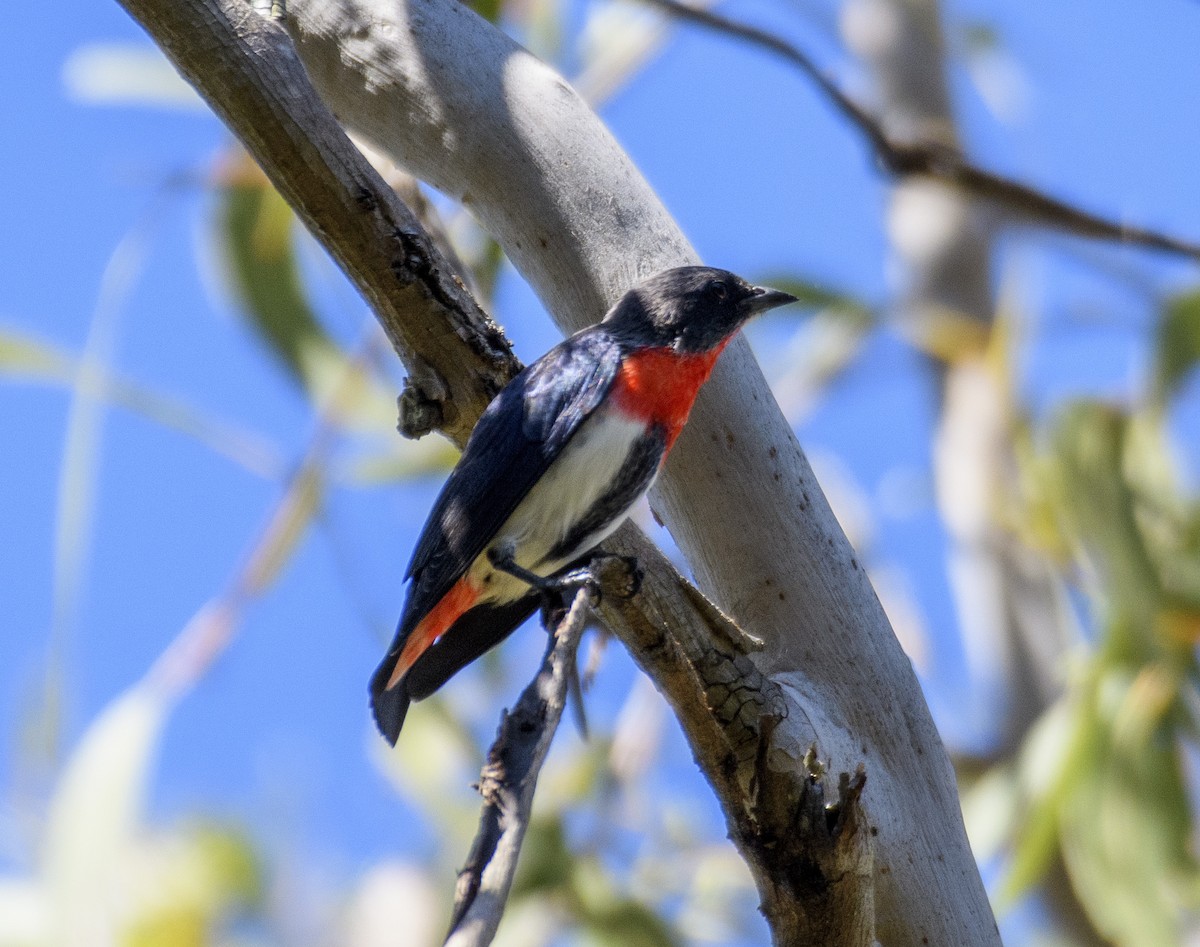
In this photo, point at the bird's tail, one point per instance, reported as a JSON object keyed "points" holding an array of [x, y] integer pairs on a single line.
{"points": [[389, 705], [474, 632]]}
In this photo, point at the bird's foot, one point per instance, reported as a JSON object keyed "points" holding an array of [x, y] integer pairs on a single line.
{"points": [[619, 576]]}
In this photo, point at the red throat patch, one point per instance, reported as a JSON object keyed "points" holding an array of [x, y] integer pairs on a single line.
{"points": [[659, 386]]}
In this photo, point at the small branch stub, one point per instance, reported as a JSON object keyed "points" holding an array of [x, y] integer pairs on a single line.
{"points": [[824, 863], [418, 413]]}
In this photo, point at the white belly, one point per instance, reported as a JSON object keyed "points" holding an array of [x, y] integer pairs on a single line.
{"points": [[578, 478]]}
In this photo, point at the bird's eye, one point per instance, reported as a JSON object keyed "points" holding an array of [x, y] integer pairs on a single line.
{"points": [[719, 290]]}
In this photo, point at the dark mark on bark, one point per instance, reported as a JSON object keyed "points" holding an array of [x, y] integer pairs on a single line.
{"points": [[485, 338], [365, 199]]}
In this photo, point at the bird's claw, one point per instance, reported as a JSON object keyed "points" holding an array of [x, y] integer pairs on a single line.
{"points": [[619, 576]]}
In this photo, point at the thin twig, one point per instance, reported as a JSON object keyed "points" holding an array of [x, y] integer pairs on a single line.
{"points": [[935, 160], [507, 784]]}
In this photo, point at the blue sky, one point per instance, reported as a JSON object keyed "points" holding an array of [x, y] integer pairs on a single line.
{"points": [[764, 178]]}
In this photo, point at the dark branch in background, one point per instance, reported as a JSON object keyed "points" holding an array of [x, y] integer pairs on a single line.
{"points": [[934, 160], [507, 783]]}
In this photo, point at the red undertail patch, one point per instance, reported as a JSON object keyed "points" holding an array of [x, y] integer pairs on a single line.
{"points": [[453, 605]]}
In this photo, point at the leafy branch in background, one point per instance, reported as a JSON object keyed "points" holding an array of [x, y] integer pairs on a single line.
{"points": [[28, 359], [1101, 781], [93, 851], [1100, 784]]}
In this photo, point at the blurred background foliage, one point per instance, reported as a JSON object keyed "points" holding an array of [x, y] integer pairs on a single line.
{"points": [[1083, 815]]}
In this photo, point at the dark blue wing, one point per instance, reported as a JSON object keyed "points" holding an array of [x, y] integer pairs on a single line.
{"points": [[524, 428]]}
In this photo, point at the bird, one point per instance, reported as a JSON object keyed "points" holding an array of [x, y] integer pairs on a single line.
{"points": [[555, 464]]}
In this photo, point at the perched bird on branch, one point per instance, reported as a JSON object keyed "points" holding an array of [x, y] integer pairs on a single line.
{"points": [[554, 466]]}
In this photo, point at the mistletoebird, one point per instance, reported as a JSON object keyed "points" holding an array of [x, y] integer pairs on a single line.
{"points": [[553, 467]]}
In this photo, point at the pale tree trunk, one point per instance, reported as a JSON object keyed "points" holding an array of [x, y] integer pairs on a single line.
{"points": [[447, 96]]}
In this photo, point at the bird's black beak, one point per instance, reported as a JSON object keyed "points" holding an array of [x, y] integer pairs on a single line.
{"points": [[763, 298]]}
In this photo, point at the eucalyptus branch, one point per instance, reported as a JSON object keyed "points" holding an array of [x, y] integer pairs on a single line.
{"points": [[933, 159]]}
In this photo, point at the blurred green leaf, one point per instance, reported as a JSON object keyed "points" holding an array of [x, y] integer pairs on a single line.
{"points": [[77, 474], [572, 779], [23, 355], [1106, 790], [613, 919], [179, 925], [812, 295], [1035, 516], [580, 884], [400, 460], [721, 886], [258, 238], [991, 808], [1046, 781], [628, 923], [486, 265], [490, 10], [257, 225], [288, 524], [1169, 520], [1177, 343], [1126, 829], [547, 862], [190, 885], [434, 765], [617, 41], [822, 347], [980, 36], [1097, 504], [232, 867]]}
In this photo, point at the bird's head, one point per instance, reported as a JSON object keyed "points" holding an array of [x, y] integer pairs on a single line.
{"points": [[691, 309]]}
